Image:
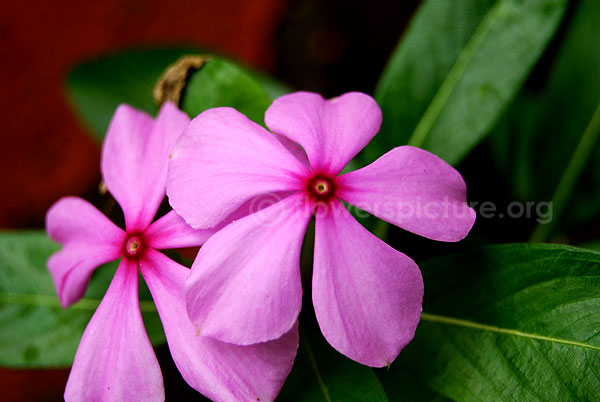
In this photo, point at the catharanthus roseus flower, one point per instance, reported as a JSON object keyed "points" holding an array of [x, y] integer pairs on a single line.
{"points": [[115, 360], [245, 284]]}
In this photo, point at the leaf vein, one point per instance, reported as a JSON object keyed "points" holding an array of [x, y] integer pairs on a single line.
{"points": [[454, 75], [146, 306], [505, 331]]}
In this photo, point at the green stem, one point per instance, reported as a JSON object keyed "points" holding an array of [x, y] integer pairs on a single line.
{"points": [[569, 178], [315, 366]]}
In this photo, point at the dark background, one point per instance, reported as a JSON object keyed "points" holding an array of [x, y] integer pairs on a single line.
{"points": [[325, 46]]}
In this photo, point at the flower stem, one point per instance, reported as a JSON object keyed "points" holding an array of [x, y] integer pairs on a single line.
{"points": [[313, 362], [569, 178]]}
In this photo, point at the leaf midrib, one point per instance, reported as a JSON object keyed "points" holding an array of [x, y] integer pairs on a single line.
{"points": [[437, 104], [499, 330], [88, 304], [149, 306]]}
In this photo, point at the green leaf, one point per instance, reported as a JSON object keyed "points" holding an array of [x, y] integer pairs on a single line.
{"points": [[592, 245], [35, 331], [97, 87], [321, 374], [456, 70], [222, 83], [512, 155], [543, 131], [273, 87], [512, 322]]}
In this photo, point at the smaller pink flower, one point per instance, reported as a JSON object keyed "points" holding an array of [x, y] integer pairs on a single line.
{"points": [[245, 284], [115, 360]]}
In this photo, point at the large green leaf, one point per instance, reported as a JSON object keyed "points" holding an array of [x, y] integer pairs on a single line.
{"points": [[97, 87], [35, 331], [321, 374], [542, 131], [514, 322], [222, 83], [457, 68]]}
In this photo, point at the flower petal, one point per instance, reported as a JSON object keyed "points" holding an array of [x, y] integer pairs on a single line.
{"points": [[89, 240], [135, 160], [245, 283], [367, 296], [331, 131], [171, 231], [115, 360], [220, 371], [295, 149], [413, 189], [222, 161]]}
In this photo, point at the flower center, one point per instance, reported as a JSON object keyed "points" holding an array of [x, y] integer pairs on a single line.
{"points": [[321, 188], [132, 246]]}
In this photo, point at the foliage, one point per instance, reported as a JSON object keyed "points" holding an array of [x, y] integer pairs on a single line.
{"points": [[36, 330]]}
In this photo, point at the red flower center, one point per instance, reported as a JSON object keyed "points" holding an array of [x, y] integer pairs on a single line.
{"points": [[132, 247], [321, 188]]}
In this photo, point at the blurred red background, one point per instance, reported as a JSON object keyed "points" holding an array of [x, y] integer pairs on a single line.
{"points": [[45, 153]]}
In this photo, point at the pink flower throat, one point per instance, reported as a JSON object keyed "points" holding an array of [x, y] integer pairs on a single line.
{"points": [[133, 245], [321, 188]]}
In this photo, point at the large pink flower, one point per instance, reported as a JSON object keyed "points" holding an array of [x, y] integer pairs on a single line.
{"points": [[115, 360], [245, 284]]}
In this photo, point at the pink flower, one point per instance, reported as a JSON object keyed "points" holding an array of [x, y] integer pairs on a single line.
{"points": [[245, 284], [115, 360]]}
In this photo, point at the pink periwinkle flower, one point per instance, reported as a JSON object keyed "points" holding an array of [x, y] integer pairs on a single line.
{"points": [[115, 360], [245, 285]]}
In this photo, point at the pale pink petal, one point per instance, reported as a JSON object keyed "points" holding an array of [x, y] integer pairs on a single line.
{"points": [[72, 267], [245, 283], [135, 160], [74, 220], [222, 161], [295, 149], [89, 240], [171, 231], [115, 360], [331, 131], [413, 189], [220, 371], [367, 296], [254, 205]]}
